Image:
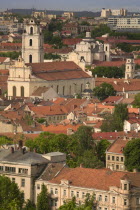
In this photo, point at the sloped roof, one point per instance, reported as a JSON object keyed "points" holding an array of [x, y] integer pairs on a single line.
{"points": [[39, 91], [118, 146], [64, 70], [101, 179], [29, 158]]}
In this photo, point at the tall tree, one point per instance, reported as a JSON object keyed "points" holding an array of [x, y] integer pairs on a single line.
{"points": [[116, 120], [84, 137], [137, 100], [43, 199], [132, 155], [103, 91], [101, 147], [10, 195]]}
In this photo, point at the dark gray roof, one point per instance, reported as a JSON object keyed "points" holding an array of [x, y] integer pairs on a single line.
{"points": [[29, 158], [52, 170], [87, 91]]}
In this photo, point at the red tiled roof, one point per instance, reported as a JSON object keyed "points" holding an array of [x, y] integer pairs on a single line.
{"points": [[2, 59], [118, 146], [113, 63], [49, 110], [112, 99], [120, 85], [58, 71], [60, 128], [72, 41], [101, 179]]}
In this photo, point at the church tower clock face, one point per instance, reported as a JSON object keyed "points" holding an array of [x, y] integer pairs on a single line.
{"points": [[32, 43]]}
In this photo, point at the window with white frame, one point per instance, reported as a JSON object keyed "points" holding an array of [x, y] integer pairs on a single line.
{"points": [[83, 195], [64, 192], [125, 202], [77, 194], [72, 193], [51, 190], [100, 198], [56, 191], [113, 200], [106, 198]]}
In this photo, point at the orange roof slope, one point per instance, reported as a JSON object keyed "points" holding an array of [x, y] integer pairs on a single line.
{"points": [[95, 178], [58, 71]]}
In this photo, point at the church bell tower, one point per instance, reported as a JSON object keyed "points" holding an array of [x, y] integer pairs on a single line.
{"points": [[32, 43]]}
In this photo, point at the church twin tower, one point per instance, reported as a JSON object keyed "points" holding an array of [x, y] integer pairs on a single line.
{"points": [[32, 43]]}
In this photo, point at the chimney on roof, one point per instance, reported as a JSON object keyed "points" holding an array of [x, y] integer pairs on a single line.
{"points": [[115, 82]]}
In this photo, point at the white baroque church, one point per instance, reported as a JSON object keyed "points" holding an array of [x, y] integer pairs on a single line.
{"points": [[29, 72]]}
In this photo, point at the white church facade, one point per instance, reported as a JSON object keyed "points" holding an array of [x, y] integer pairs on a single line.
{"points": [[30, 72]]}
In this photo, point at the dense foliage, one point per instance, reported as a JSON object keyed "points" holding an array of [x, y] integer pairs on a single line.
{"points": [[43, 199], [50, 56], [128, 35], [100, 30], [80, 147], [127, 47], [114, 122], [89, 204], [10, 195], [103, 91], [137, 100], [132, 155], [109, 72], [12, 55]]}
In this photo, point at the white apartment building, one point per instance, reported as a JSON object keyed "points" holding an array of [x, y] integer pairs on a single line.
{"points": [[124, 23]]}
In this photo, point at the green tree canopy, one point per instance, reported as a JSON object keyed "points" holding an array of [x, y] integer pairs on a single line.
{"points": [[101, 147], [137, 100], [109, 72], [89, 204], [89, 159], [103, 91], [43, 199], [100, 30], [132, 155], [10, 195], [115, 121], [84, 137]]}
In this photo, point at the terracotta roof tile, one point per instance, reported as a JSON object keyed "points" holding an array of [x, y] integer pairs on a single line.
{"points": [[58, 70], [101, 179], [60, 128], [120, 85], [118, 146]]}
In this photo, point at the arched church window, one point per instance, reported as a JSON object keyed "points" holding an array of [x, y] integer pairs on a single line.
{"points": [[30, 58], [14, 91], [31, 30], [22, 91], [30, 42]]}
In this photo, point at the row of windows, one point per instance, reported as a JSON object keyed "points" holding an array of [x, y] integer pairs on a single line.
{"points": [[15, 91], [57, 118], [117, 158], [22, 184], [13, 169], [83, 194]]}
